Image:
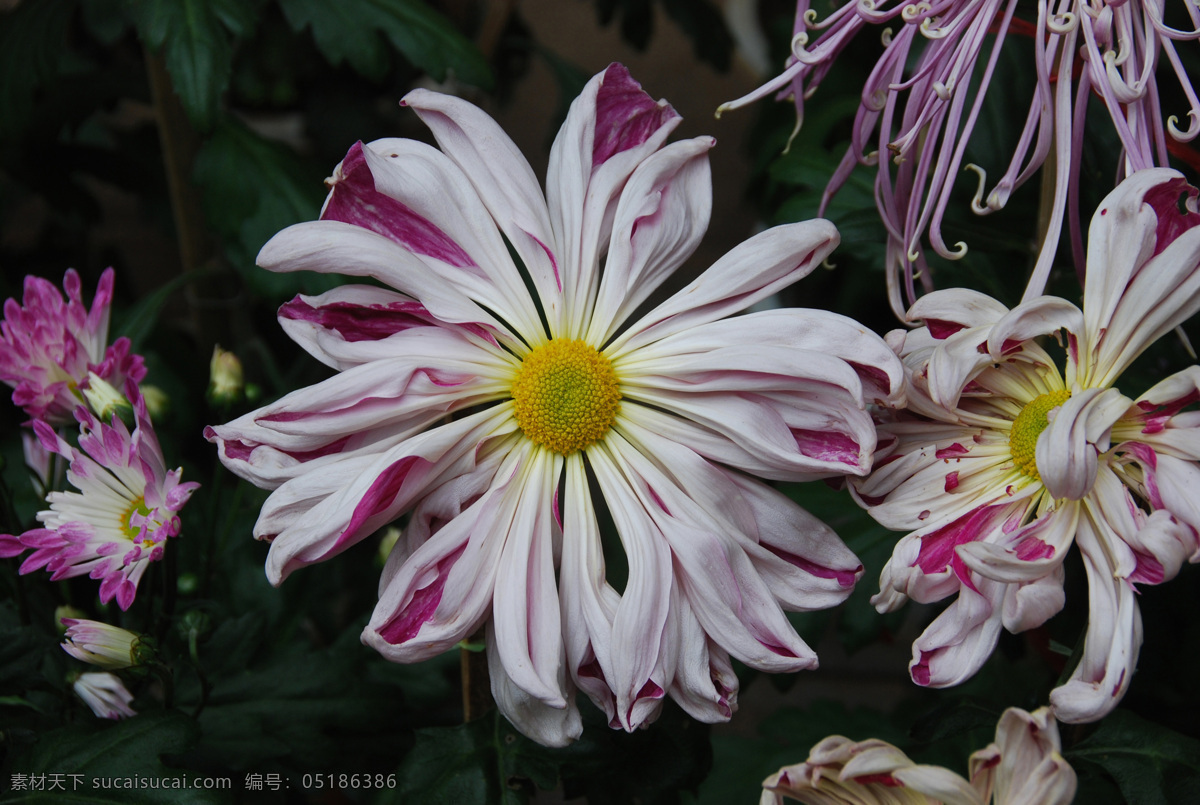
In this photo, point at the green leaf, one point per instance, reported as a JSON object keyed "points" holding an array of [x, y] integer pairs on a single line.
{"points": [[81, 754], [1152, 765], [194, 39], [33, 40], [137, 322], [455, 764], [350, 31], [293, 705], [252, 188]]}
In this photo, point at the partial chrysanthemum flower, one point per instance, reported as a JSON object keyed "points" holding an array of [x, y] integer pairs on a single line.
{"points": [[1002, 461], [105, 694], [126, 508], [110, 647], [491, 402], [921, 103], [50, 347], [1024, 766]]}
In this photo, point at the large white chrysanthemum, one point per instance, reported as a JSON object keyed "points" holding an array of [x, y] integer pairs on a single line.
{"points": [[505, 380], [1002, 462]]}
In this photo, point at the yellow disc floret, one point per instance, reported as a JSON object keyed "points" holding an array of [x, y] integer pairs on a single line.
{"points": [[565, 395], [1028, 426], [134, 519]]}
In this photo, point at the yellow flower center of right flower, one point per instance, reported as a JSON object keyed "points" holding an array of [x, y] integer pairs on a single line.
{"points": [[136, 506], [1028, 426], [565, 395]]}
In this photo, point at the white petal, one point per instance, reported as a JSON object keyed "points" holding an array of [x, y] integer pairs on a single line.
{"points": [[662, 215], [544, 723], [752, 271], [503, 180], [1079, 430], [1114, 635], [334, 247]]}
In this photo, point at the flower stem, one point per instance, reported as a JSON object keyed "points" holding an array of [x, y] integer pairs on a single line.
{"points": [[476, 687]]}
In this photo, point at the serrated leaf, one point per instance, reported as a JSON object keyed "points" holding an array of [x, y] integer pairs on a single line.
{"points": [[32, 41], [451, 765], [350, 31], [105, 750], [252, 188], [194, 39], [1152, 765]]}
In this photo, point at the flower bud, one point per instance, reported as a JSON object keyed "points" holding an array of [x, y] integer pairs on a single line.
{"points": [[66, 613], [109, 647], [157, 402], [105, 400], [225, 382]]}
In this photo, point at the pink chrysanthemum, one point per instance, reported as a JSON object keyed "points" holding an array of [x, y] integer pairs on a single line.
{"points": [[1002, 462], [491, 402], [126, 508], [49, 346], [923, 98]]}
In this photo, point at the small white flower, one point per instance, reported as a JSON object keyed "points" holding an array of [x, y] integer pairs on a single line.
{"points": [[105, 694]]}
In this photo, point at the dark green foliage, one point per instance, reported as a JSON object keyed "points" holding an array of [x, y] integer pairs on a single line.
{"points": [[195, 39], [31, 54], [360, 31], [114, 752]]}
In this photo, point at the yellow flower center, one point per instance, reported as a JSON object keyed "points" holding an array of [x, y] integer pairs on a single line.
{"points": [[1028, 426], [136, 506], [565, 395]]}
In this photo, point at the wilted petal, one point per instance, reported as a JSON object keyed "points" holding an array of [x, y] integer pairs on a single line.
{"points": [[1114, 635], [961, 639], [1068, 449], [545, 723], [1024, 764]]}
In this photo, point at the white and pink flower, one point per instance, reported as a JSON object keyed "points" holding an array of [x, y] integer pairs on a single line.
{"points": [[1002, 462], [50, 346], [1022, 767], [126, 509], [490, 402]]}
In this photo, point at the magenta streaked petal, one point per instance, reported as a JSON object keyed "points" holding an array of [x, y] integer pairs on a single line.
{"points": [[354, 200], [626, 116], [407, 622], [961, 639]]}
